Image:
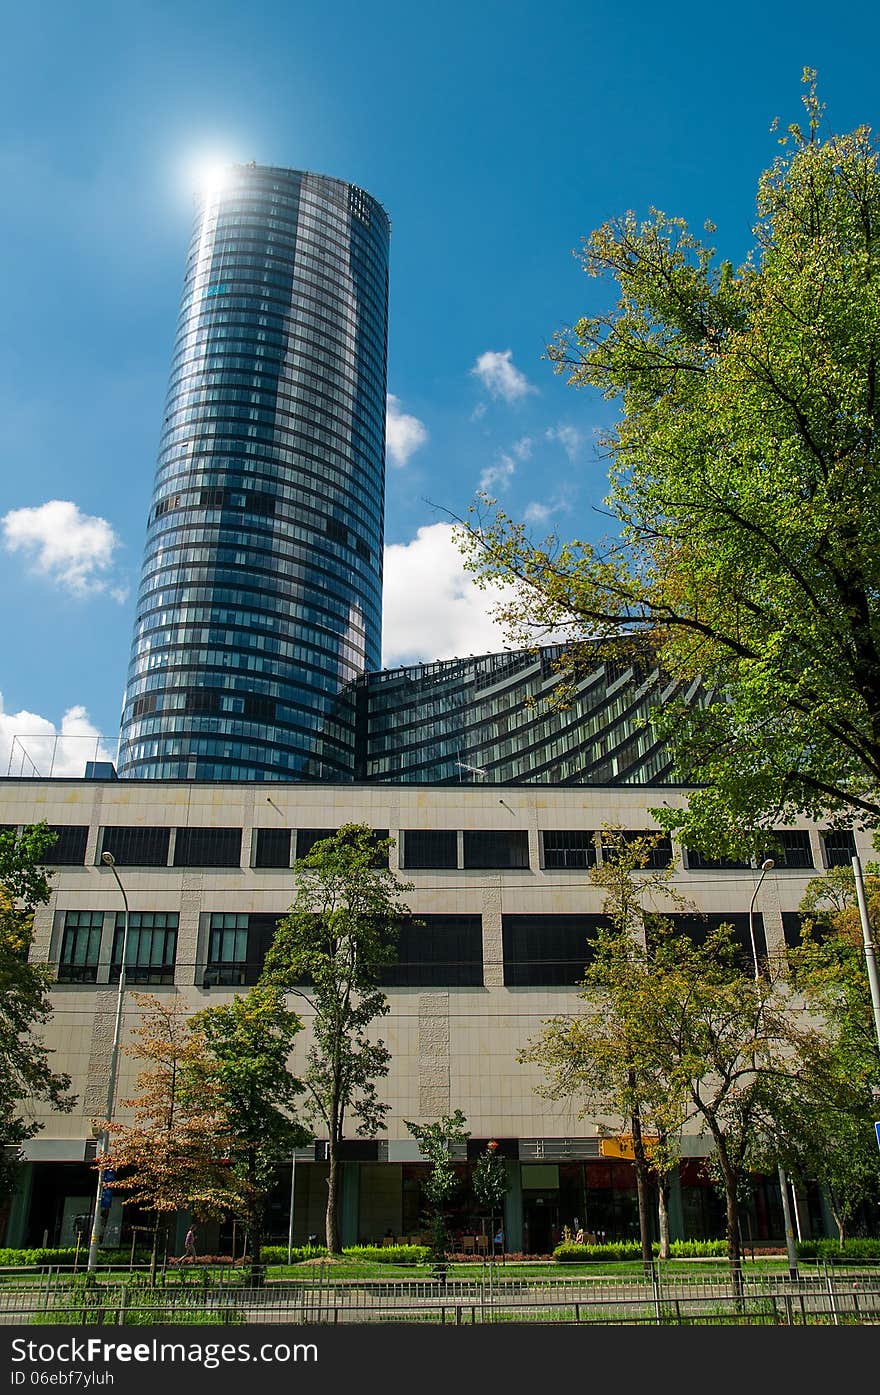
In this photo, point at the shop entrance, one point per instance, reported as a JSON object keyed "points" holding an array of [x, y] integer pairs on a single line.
{"points": [[540, 1222]]}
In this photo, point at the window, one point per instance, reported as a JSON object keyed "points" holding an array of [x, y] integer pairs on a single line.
{"points": [[306, 838], [212, 498], [272, 847], [501, 848], [547, 950], [698, 863], [793, 928], [839, 845], [80, 947], [208, 847], [791, 848], [336, 531], [144, 705], [430, 848], [151, 949], [259, 708], [237, 947], [659, 856], [568, 848], [698, 927], [69, 848], [202, 700], [442, 951], [137, 847]]}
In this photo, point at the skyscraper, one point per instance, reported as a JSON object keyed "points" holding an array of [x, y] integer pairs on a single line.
{"points": [[260, 594]]}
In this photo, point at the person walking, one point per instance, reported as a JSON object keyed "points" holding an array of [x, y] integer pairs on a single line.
{"points": [[189, 1244]]}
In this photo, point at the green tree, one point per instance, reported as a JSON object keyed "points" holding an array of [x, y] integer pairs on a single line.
{"points": [[491, 1184], [829, 1118], [603, 1054], [435, 1142], [26, 1074], [729, 1046], [342, 927], [241, 1064], [744, 490]]}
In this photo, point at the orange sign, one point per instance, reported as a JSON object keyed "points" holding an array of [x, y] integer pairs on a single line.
{"points": [[622, 1146]]}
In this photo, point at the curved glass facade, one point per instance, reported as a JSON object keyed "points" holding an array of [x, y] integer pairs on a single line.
{"points": [[261, 589], [493, 718]]}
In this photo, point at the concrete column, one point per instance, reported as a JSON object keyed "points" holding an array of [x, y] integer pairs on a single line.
{"points": [[434, 1094], [493, 949], [189, 972]]}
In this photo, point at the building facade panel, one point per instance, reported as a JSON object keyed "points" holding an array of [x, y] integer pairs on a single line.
{"points": [[454, 1044]]}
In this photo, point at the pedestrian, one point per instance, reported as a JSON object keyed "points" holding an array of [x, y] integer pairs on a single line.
{"points": [[189, 1244]]}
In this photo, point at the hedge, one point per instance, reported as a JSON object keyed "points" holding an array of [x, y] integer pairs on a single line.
{"points": [[42, 1256], [860, 1247], [568, 1252]]}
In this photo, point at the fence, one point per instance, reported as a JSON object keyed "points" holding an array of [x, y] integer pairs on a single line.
{"points": [[823, 1296]]}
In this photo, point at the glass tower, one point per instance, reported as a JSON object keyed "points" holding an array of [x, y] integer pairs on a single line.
{"points": [[260, 595]]}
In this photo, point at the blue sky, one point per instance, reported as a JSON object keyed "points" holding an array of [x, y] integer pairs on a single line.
{"points": [[496, 135]]}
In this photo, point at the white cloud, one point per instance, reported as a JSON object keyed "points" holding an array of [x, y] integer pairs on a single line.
{"points": [[479, 411], [431, 607], [568, 437], [403, 434], [73, 550], [496, 476], [498, 374], [33, 745], [537, 513], [522, 448]]}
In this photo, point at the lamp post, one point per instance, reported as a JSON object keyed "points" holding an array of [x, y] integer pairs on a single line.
{"points": [[104, 1140], [790, 1249], [870, 954]]}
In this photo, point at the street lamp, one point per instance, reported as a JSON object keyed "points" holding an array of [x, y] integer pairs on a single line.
{"points": [[104, 1141], [790, 1249], [870, 955]]}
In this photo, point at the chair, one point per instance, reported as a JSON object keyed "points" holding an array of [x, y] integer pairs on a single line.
{"points": [[389, 1240], [467, 1244], [482, 1244]]}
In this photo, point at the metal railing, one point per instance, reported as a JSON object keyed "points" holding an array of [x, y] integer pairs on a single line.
{"points": [[822, 1295]]}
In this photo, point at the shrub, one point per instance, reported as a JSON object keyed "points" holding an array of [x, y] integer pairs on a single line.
{"points": [[859, 1247], [569, 1253], [696, 1249], [67, 1255]]}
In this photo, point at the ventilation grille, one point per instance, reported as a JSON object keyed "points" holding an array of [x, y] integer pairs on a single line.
{"points": [[557, 1149]]}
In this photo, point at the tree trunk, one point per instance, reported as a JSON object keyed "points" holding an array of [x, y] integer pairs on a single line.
{"points": [[839, 1217], [663, 1214], [255, 1227], [154, 1251], [734, 1252], [334, 1180]]}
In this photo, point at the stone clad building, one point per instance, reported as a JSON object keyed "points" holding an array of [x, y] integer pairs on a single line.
{"points": [[502, 889]]}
